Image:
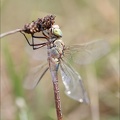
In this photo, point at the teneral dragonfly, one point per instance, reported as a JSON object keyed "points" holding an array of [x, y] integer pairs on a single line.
{"points": [[58, 54]]}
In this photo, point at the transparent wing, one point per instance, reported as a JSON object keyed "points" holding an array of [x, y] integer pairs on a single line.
{"points": [[88, 52], [39, 54], [35, 75], [73, 83]]}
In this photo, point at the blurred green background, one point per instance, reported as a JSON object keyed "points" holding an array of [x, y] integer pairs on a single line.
{"points": [[80, 21]]}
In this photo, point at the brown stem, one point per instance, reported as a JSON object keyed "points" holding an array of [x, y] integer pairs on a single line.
{"points": [[10, 32], [57, 100]]}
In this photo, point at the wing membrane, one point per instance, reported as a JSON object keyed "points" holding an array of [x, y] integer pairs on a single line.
{"points": [[73, 83], [39, 54], [87, 53], [35, 75]]}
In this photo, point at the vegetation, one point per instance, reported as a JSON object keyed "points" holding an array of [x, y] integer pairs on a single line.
{"points": [[80, 21]]}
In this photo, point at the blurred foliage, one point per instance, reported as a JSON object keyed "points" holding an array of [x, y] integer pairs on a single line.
{"points": [[14, 75], [81, 21]]}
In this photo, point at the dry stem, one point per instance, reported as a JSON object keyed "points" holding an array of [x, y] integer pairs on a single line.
{"points": [[10, 32]]}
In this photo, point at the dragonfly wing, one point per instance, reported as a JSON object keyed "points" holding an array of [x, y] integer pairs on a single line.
{"points": [[35, 75], [73, 83], [39, 54], [87, 53]]}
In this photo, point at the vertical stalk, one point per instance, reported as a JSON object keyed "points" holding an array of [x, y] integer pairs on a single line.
{"points": [[54, 74], [57, 100]]}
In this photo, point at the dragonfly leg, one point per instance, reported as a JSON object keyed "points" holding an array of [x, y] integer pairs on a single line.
{"points": [[45, 35], [26, 39], [39, 45], [39, 37], [33, 45]]}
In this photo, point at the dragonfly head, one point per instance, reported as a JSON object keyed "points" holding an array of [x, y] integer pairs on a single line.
{"points": [[56, 31]]}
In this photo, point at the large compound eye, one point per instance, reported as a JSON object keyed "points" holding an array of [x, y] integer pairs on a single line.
{"points": [[57, 32], [55, 26]]}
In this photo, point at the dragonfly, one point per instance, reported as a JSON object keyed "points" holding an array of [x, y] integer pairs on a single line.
{"points": [[57, 55]]}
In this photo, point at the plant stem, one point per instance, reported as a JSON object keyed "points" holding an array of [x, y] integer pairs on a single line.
{"points": [[10, 32]]}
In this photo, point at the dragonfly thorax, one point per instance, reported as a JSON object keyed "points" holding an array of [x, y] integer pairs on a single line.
{"points": [[56, 49]]}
